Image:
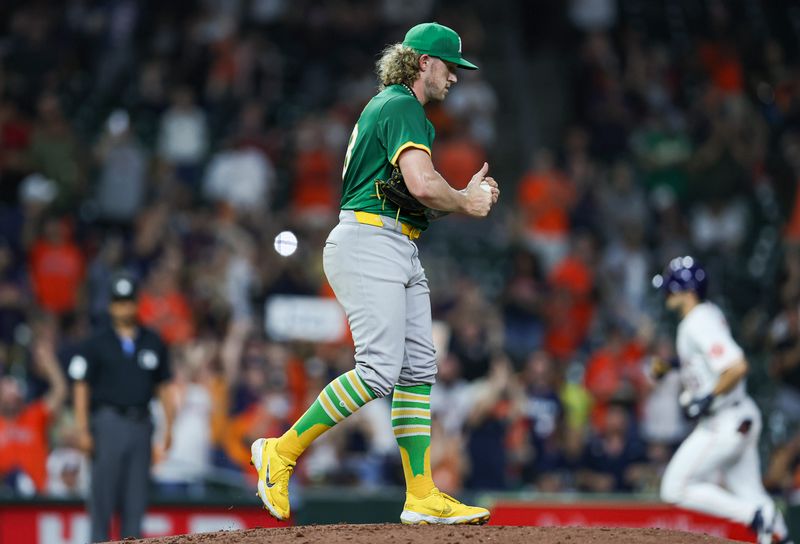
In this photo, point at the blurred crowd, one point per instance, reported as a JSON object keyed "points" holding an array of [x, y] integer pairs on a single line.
{"points": [[175, 140]]}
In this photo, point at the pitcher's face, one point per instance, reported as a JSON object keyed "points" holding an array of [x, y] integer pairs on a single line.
{"points": [[438, 76]]}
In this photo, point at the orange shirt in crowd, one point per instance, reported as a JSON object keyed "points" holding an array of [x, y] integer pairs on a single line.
{"points": [[562, 337], [791, 231], [572, 309], [57, 271], [244, 428], [313, 183], [724, 66], [573, 275], [220, 403], [167, 314], [545, 199], [457, 161], [23, 443], [607, 372]]}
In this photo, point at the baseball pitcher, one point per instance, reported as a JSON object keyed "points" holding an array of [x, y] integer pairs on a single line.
{"points": [[716, 469], [391, 191]]}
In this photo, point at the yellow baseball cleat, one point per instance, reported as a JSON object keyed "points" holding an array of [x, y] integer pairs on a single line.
{"points": [[273, 477], [441, 508]]}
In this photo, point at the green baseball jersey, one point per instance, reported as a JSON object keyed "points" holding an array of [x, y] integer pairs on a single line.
{"points": [[391, 122]]}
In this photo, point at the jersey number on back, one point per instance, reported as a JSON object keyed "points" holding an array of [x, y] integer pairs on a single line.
{"points": [[350, 145]]}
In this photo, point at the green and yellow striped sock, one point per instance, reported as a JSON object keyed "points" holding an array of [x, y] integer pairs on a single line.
{"points": [[339, 399], [411, 422]]}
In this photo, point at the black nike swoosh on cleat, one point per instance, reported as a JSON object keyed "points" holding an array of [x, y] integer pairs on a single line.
{"points": [[269, 485]]}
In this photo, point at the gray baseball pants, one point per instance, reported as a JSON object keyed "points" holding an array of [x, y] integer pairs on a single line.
{"points": [[378, 279], [120, 472]]}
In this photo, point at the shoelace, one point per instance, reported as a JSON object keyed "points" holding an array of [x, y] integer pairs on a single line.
{"points": [[449, 498], [282, 478], [446, 497]]}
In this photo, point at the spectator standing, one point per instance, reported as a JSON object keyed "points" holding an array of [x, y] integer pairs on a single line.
{"points": [[55, 151], [544, 416], [163, 306], [623, 276], [57, 267], [24, 425], [122, 183], [242, 178], [614, 373], [117, 371], [523, 307], [545, 197], [183, 136], [622, 201], [571, 305], [451, 396], [67, 466], [314, 191], [185, 466], [487, 426]]}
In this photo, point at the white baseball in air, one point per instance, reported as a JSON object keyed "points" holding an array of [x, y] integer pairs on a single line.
{"points": [[285, 243], [486, 187]]}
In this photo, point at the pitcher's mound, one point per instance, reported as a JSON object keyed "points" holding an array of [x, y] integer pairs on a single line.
{"points": [[404, 534]]}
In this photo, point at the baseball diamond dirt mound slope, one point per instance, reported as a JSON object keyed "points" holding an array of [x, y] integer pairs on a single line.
{"points": [[402, 534]]}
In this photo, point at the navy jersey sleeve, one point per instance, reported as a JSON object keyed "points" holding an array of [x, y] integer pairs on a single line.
{"points": [[83, 365], [164, 372]]}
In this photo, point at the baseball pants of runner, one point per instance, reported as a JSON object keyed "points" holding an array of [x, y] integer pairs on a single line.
{"points": [[716, 469]]}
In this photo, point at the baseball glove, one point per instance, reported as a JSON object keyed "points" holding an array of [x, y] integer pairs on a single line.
{"points": [[395, 191], [661, 367], [697, 407]]}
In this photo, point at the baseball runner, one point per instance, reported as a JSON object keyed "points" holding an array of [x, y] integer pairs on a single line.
{"points": [[716, 469], [390, 193]]}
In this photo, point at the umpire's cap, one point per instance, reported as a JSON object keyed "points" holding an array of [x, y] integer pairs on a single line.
{"points": [[683, 274], [123, 287], [437, 41]]}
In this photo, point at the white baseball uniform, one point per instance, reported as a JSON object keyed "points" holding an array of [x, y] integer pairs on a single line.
{"points": [[716, 469]]}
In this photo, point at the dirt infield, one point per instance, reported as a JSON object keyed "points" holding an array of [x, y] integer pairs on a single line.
{"points": [[401, 534]]}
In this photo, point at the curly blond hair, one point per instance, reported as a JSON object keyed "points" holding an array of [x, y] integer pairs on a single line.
{"points": [[398, 64]]}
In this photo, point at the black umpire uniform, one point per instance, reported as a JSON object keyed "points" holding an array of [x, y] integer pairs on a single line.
{"points": [[117, 371]]}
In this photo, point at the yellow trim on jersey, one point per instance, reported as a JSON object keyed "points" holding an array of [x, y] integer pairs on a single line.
{"points": [[405, 146]]}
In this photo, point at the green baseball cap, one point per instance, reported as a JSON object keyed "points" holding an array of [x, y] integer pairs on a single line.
{"points": [[437, 41]]}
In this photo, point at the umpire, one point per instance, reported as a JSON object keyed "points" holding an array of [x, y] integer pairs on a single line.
{"points": [[117, 371]]}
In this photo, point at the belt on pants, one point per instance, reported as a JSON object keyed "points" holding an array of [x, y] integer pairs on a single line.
{"points": [[719, 409], [138, 413], [367, 218]]}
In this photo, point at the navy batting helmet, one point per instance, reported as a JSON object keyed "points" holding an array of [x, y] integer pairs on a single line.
{"points": [[683, 274]]}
